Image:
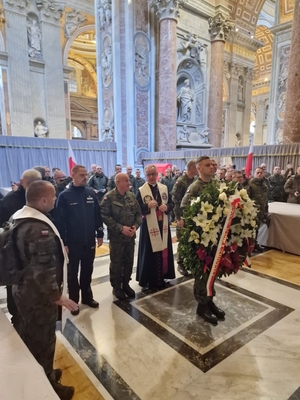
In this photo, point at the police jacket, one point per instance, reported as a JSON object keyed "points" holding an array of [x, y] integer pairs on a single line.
{"points": [[78, 213]]}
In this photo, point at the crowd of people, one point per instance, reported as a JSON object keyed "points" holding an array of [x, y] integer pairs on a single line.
{"points": [[62, 220]]}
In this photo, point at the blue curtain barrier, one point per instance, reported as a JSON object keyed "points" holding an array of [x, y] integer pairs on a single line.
{"points": [[20, 153]]}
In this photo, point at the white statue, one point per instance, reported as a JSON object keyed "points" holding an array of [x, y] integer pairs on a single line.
{"points": [[40, 130], [204, 136], [184, 134], [34, 38], [185, 98], [240, 95]]}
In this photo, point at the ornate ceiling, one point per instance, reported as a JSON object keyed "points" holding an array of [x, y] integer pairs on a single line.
{"points": [[246, 12]]}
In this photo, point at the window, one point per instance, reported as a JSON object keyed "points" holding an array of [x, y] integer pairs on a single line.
{"points": [[76, 133], [73, 81]]}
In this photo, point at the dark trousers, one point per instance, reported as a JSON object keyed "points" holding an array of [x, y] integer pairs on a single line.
{"points": [[84, 254], [200, 291], [121, 261]]}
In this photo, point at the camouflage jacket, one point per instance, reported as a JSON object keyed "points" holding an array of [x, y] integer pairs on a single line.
{"points": [[118, 211], [179, 190], [291, 186], [193, 191], [41, 258], [258, 191]]}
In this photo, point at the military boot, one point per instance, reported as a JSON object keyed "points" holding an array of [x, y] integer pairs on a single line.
{"points": [[57, 374], [204, 311], [63, 392], [128, 290], [119, 293], [220, 314]]}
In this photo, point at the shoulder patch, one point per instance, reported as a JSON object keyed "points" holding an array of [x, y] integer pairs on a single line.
{"points": [[45, 233]]}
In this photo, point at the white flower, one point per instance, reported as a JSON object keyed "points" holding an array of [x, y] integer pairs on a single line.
{"points": [[205, 239], [222, 187], [193, 236], [200, 219], [236, 228], [206, 207], [222, 196], [195, 201], [238, 240], [234, 197], [244, 194]]}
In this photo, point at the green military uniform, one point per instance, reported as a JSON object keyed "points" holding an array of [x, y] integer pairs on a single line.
{"points": [[118, 211], [291, 186], [194, 191], [276, 187], [258, 191], [41, 255], [132, 180], [178, 192], [111, 184]]}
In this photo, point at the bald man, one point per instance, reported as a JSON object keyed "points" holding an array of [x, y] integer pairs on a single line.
{"points": [[41, 253], [122, 214]]}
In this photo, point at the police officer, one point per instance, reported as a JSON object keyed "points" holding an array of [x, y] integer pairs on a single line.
{"points": [[40, 252], [79, 221], [122, 214], [178, 192], [206, 307]]}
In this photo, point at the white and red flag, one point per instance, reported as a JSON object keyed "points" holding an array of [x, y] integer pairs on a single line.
{"points": [[72, 161], [249, 161]]}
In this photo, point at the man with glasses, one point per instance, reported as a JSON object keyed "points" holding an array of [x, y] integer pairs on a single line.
{"points": [[155, 256]]}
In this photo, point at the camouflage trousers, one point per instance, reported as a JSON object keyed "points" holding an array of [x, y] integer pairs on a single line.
{"points": [[40, 340], [200, 291], [121, 261]]}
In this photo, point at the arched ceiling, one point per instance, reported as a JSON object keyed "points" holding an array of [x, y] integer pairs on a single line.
{"points": [[246, 13], [263, 57]]}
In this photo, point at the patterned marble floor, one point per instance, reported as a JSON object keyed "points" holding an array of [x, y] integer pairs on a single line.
{"points": [[155, 347]]}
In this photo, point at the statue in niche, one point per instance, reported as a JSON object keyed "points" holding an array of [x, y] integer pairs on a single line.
{"points": [[184, 134], [108, 134], [40, 130], [185, 98], [141, 60], [73, 20], [204, 136], [107, 13], [106, 63], [34, 38], [101, 17], [108, 126], [240, 95], [238, 139], [281, 105], [192, 47]]}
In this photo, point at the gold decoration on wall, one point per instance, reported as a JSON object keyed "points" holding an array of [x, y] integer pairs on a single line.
{"points": [[233, 48]]}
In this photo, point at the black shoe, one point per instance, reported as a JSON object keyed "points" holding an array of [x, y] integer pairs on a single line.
{"points": [[258, 249], [75, 312], [181, 270], [57, 374], [128, 290], [204, 311], [220, 314], [63, 392], [118, 292], [91, 303]]}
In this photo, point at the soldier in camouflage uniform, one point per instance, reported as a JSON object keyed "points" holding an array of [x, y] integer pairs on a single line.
{"points": [[122, 214], [206, 307], [258, 191], [37, 296], [179, 190]]}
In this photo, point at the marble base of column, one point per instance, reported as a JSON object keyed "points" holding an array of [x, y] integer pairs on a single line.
{"points": [[291, 129], [167, 111], [215, 103]]}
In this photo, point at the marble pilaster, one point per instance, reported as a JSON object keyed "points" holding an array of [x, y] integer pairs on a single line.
{"points": [[291, 128], [219, 28], [167, 11], [247, 108]]}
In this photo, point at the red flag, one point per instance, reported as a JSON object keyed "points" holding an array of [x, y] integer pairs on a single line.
{"points": [[249, 161], [72, 161]]}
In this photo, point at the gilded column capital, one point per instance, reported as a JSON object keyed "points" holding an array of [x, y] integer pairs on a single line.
{"points": [[166, 9], [219, 27]]}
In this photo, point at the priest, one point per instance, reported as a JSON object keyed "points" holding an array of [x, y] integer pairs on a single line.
{"points": [[155, 256]]}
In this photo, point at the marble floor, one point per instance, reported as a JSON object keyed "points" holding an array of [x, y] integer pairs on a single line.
{"points": [[156, 347]]}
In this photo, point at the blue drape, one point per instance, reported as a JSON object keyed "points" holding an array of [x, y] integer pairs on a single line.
{"points": [[20, 153]]}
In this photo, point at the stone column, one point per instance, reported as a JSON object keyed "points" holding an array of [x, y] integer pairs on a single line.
{"points": [[291, 128], [219, 29], [167, 12]]}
